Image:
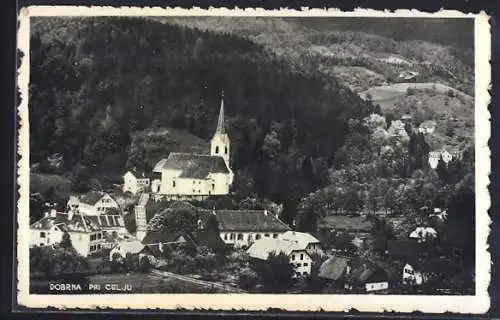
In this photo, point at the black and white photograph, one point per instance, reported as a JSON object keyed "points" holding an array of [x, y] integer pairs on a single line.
{"points": [[290, 156]]}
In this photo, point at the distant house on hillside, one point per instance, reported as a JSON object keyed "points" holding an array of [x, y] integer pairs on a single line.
{"points": [[196, 176], [243, 227], [295, 251], [423, 234], [413, 277], [92, 203], [408, 75], [427, 127], [444, 154], [304, 239], [135, 182], [86, 237]]}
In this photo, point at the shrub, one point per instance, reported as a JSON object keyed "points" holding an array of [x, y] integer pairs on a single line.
{"points": [[247, 278]]}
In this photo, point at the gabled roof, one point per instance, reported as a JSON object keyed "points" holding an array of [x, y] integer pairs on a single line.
{"points": [[333, 268], [303, 238], [261, 248], [365, 274], [193, 166], [130, 246], [249, 220], [108, 220], [78, 223]]}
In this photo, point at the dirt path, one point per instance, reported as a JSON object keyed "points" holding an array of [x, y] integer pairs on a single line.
{"points": [[198, 282]]}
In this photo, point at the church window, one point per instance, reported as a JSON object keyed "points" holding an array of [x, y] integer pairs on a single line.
{"points": [[217, 149], [225, 150]]}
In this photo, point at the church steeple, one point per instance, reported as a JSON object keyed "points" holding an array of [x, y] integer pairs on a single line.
{"points": [[219, 146], [221, 128]]}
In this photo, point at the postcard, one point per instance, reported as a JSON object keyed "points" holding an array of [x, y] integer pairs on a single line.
{"points": [[247, 159]]}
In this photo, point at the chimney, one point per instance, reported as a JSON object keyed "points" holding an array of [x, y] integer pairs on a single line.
{"points": [[53, 213]]}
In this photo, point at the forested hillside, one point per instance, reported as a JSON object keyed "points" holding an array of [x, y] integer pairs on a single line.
{"points": [[96, 82]]}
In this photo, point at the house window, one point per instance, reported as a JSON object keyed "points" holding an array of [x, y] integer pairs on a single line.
{"points": [[299, 264], [217, 150], [42, 234], [99, 236], [231, 236], [297, 274], [266, 235], [240, 236], [42, 244], [304, 273], [275, 235], [293, 257], [213, 186], [301, 256], [225, 150], [173, 184], [194, 182], [249, 237], [257, 236], [306, 264], [225, 237]]}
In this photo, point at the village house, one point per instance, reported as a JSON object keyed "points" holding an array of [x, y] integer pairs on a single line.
{"points": [[368, 279], [135, 182], [241, 228], [335, 270], [129, 246], [445, 155], [304, 239], [427, 127], [423, 234], [412, 276], [294, 246], [85, 236], [408, 75], [92, 203], [196, 176]]}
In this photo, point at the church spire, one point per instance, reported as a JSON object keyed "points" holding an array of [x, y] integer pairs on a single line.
{"points": [[220, 123]]}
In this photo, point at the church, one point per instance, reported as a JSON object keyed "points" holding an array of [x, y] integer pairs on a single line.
{"points": [[196, 176]]}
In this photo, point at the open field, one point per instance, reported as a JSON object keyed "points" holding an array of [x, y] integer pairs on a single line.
{"points": [[388, 92]]}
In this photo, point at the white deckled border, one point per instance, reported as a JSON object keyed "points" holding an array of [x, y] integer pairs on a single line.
{"points": [[479, 303]]}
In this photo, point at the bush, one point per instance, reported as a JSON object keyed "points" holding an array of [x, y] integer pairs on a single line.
{"points": [[145, 265], [247, 279]]}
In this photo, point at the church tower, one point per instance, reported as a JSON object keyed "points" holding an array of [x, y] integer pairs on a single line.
{"points": [[219, 145]]}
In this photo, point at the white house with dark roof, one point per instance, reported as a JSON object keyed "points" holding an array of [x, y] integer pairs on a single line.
{"points": [[189, 175], [135, 182], [86, 237], [244, 227], [296, 252], [306, 240], [92, 203]]}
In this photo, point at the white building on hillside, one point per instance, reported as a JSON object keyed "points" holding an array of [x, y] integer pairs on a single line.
{"points": [[188, 175], [304, 239], [93, 203], [243, 227], [135, 182], [86, 237], [446, 155]]}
